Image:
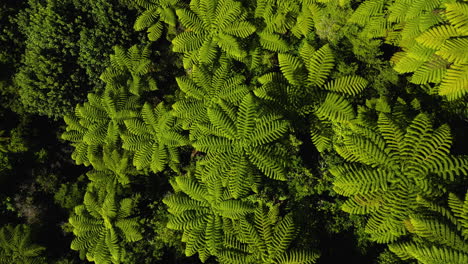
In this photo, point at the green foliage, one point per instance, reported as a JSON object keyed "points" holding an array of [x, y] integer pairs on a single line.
{"points": [[99, 122], [238, 141], [154, 136], [130, 69], [16, 246], [204, 89], [3, 142], [390, 168], [329, 20], [262, 78], [201, 211], [305, 90], [441, 233], [102, 224], [211, 25], [266, 239], [432, 35], [66, 50], [48, 85], [69, 195], [279, 16], [156, 13]]}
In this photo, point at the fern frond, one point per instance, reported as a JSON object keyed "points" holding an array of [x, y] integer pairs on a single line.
{"points": [[320, 65], [455, 82], [190, 20], [432, 71], [291, 67], [321, 135], [352, 180], [273, 42], [351, 85], [335, 108], [457, 14], [296, 256], [454, 50], [240, 29], [187, 41], [435, 37], [366, 11]]}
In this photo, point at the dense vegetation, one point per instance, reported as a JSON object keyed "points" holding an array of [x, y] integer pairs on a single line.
{"points": [[234, 131]]}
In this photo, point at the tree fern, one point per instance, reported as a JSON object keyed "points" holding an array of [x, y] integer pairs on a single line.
{"points": [[236, 141], [432, 35], [268, 238], [200, 210], [16, 246], [212, 25], [204, 88], [156, 13], [279, 16], [97, 123], [304, 22], [395, 167], [115, 168], [441, 233], [130, 69], [303, 89], [154, 137], [102, 223]]}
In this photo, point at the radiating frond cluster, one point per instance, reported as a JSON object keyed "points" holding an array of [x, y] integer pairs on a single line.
{"points": [[154, 136], [390, 167], [240, 142], [130, 70], [202, 211], [444, 233], [157, 12], [98, 123], [102, 223], [204, 89], [433, 36], [16, 246], [212, 26], [305, 90], [266, 238]]}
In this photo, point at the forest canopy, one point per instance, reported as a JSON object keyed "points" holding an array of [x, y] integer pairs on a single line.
{"points": [[233, 131]]}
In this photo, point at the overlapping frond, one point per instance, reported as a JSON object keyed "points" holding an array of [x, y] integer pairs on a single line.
{"points": [[205, 89], [98, 124], [201, 211], [439, 233], [212, 26], [102, 223], [16, 246], [153, 137], [268, 238], [237, 144], [130, 69], [156, 13], [397, 166]]}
